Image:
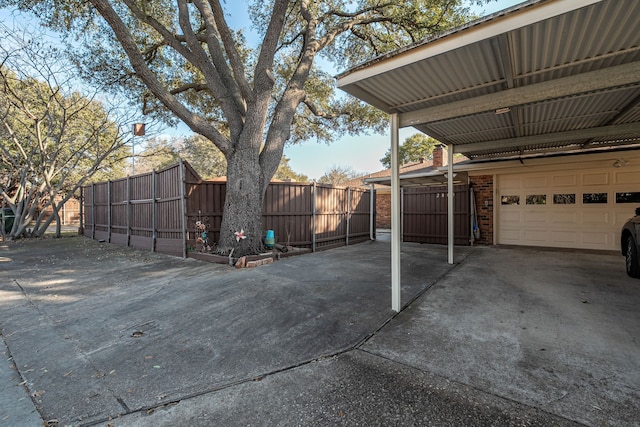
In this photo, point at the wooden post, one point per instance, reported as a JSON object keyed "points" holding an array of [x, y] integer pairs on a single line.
{"points": [[154, 222], [348, 215], [183, 210], [314, 206], [402, 214], [64, 214], [2, 220], [128, 205], [93, 211], [81, 228]]}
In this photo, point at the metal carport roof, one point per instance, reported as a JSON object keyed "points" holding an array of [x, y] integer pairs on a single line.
{"points": [[543, 76]]}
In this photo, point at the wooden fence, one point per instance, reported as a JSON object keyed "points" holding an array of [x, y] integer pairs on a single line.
{"points": [[158, 211], [425, 215]]}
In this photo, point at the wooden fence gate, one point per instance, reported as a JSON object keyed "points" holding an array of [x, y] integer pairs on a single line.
{"points": [[424, 217]]}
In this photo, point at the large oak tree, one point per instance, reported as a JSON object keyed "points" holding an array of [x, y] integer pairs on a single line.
{"points": [[182, 57]]}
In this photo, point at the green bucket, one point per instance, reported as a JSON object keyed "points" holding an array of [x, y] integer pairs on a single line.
{"points": [[7, 218]]}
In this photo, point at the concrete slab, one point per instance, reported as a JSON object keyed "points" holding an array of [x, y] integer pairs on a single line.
{"points": [[16, 407], [352, 389], [111, 336], [557, 330], [104, 330]]}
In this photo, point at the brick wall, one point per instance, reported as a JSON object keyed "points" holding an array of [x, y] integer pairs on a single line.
{"points": [[483, 189], [383, 210], [440, 156]]}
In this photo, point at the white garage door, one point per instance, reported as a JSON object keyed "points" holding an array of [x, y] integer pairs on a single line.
{"points": [[569, 208]]}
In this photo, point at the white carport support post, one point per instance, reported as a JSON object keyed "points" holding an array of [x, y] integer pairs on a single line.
{"points": [[450, 195], [372, 212], [395, 214]]}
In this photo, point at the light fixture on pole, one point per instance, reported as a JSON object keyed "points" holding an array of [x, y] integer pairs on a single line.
{"points": [[138, 130]]}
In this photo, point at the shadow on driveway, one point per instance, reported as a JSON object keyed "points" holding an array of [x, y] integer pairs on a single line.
{"points": [[99, 331]]}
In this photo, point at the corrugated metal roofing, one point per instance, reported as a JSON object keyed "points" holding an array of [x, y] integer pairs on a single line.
{"points": [[511, 52]]}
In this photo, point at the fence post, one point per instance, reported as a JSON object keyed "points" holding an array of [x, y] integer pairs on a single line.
{"points": [[348, 215], [372, 210], [64, 214], [154, 222], [81, 229], [128, 211], [93, 211], [183, 209], [3, 204], [109, 225], [402, 214], [313, 216]]}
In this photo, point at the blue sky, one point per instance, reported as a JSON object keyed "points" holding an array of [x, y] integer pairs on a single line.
{"points": [[360, 153]]}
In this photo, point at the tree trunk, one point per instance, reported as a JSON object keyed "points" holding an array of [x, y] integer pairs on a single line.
{"points": [[243, 205]]}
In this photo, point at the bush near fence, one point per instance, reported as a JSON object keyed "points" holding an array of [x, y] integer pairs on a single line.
{"points": [[158, 211]]}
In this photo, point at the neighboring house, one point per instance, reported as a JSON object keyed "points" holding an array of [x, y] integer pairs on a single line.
{"points": [[69, 212], [381, 181]]}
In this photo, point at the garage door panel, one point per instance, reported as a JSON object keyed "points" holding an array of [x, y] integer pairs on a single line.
{"points": [[565, 180], [564, 237], [598, 217], [512, 217], [622, 216], [628, 178], [535, 217], [564, 218], [596, 239], [535, 235], [601, 178], [510, 236], [535, 182], [511, 182]]}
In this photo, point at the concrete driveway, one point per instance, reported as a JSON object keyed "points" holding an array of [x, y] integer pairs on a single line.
{"points": [[100, 335]]}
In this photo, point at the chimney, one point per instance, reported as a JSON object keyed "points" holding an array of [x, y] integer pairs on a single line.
{"points": [[440, 157]]}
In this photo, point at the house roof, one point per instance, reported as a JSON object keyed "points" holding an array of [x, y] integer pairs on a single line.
{"points": [[408, 172], [544, 76]]}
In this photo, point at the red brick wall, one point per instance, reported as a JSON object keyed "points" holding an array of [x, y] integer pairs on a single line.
{"points": [[440, 156], [383, 210], [483, 189]]}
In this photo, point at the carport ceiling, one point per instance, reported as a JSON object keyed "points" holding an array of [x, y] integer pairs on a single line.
{"points": [[543, 76]]}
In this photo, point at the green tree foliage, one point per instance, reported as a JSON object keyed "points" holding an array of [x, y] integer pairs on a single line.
{"points": [[52, 139], [207, 160], [285, 172], [180, 58], [157, 153], [161, 152], [412, 149]]}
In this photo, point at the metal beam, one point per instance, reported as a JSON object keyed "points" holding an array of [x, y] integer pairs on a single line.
{"points": [[396, 302], [459, 37], [607, 78], [572, 135], [450, 212]]}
